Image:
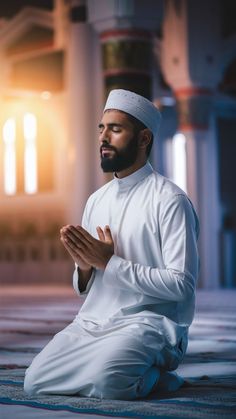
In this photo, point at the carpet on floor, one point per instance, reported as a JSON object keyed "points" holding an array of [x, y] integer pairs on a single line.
{"points": [[200, 398], [209, 365]]}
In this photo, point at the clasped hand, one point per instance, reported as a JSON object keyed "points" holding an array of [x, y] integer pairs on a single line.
{"points": [[85, 250]]}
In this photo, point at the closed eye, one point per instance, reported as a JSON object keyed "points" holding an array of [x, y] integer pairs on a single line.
{"points": [[116, 129], [112, 126]]}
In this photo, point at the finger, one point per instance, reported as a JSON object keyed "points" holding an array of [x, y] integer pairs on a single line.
{"points": [[83, 233], [74, 250], [74, 242], [71, 231], [77, 256], [67, 232], [108, 235], [64, 229], [71, 239], [100, 234], [68, 248], [76, 233]]}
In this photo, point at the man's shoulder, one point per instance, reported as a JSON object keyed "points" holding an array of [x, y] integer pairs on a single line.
{"points": [[165, 187], [172, 196]]}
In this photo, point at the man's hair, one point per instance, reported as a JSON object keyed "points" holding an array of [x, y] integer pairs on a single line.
{"points": [[139, 126]]}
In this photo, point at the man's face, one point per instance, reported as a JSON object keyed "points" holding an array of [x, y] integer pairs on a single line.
{"points": [[118, 142]]}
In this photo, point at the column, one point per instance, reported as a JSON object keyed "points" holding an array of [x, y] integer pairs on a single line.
{"points": [[81, 143], [190, 63], [126, 31], [196, 122], [126, 59]]}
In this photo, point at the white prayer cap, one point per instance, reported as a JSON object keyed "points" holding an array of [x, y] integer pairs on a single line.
{"points": [[135, 105]]}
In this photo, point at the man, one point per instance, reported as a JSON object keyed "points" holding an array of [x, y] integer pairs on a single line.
{"points": [[136, 263]]}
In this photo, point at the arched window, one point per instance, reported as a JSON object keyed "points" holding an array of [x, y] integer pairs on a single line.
{"points": [[20, 155], [9, 156], [30, 153], [27, 155]]}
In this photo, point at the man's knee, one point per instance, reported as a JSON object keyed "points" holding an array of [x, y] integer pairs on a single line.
{"points": [[114, 384], [30, 382]]}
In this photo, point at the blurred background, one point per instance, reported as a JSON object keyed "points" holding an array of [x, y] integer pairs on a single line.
{"points": [[58, 61]]}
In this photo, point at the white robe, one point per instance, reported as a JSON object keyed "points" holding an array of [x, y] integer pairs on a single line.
{"points": [[135, 318]]}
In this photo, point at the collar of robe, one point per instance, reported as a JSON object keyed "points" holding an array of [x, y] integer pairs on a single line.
{"points": [[135, 177]]}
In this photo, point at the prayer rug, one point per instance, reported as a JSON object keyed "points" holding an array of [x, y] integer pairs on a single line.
{"points": [[206, 398]]}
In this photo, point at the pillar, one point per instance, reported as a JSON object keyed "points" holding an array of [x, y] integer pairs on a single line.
{"points": [[196, 122], [126, 59], [80, 148], [126, 30], [190, 63]]}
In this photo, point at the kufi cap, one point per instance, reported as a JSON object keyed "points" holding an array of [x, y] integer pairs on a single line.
{"points": [[135, 105]]}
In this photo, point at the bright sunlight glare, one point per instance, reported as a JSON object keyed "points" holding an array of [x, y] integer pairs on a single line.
{"points": [[9, 137], [30, 155]]}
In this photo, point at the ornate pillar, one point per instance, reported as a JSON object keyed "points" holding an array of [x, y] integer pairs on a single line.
{"points": [[190, 64], [194, 105], [126, 30], [126, 59], [194, 108]]}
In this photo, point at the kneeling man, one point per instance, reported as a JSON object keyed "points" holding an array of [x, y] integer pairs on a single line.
{"points": [[136, 263]]}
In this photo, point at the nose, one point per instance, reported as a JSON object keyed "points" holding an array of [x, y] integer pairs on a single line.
{"points": [[104, 137]]}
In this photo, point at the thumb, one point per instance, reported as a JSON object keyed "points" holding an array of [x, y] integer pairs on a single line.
{"points": [[108, 235]]}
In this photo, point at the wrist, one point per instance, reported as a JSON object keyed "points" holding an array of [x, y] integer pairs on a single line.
{"points": [[85, 271], [103, 267]]}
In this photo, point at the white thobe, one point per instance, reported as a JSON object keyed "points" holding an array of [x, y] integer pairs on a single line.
{"points": [[135, 318]]}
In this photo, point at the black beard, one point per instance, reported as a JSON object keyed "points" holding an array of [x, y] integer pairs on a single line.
{"points": [[122, 159]]}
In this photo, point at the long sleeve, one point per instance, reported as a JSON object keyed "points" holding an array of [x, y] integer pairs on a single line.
{"points": [[178, 227], [76, 282]]}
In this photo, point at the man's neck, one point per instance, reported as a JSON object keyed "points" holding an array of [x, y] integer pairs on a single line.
{"points": [[127, 172]]}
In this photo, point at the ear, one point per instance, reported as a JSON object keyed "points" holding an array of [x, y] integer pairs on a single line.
{"points": [[145, 137]]}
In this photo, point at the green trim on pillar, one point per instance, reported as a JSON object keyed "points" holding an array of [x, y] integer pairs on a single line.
{"points": [[128, 54], [127, 59]]}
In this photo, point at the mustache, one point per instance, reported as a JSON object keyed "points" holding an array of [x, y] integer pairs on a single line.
{"points": [[107, 147]]}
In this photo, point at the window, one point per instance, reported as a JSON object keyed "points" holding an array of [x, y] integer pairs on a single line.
{"points": [[30, 153], [9, 159], [12, 144]]}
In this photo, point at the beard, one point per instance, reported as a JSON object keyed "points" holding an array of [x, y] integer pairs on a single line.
{"points": [[122, 159]]}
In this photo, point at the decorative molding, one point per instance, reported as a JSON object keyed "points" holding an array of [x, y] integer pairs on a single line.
{"points": [[125, 71], [126, 58], [34, 39], [25, 19], [125, 34], [194, 112], [123, 14], [126, 55], [188, 92]]}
